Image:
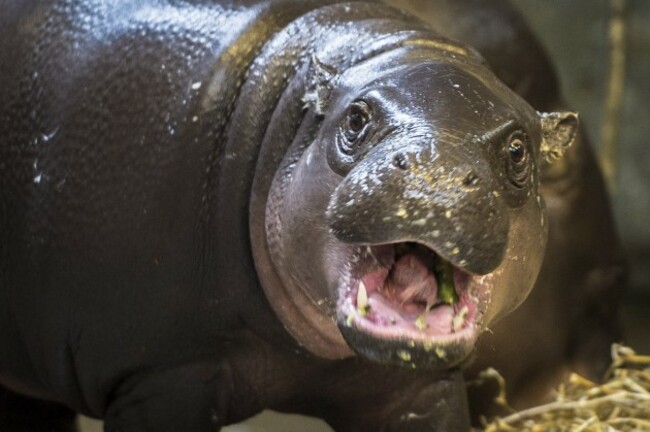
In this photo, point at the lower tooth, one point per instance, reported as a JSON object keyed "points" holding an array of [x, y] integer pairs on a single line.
{"points": [[421, 323], [458, 320], [362, 300]]}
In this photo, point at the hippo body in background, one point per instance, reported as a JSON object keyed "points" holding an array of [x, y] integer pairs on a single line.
{"points": [[194, 193]]}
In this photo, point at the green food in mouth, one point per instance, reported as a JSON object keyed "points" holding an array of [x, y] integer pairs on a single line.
{"points": [[445, 274], [442, 269]]}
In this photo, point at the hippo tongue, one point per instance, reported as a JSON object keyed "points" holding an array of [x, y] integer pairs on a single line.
{"points": [[411, 282]]}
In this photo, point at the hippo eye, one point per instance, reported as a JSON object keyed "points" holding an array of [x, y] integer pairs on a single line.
{"points": [[518, 165], [356, 120]]}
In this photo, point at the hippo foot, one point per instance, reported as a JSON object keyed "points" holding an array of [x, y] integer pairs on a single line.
{"points": [[191, 398], [396, 401], [22, 414]]}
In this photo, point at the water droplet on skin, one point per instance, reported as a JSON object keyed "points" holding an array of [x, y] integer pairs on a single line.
{"points": [[419, 222]]}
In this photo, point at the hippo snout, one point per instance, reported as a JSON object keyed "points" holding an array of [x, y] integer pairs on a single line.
{"points": [[415, 193]]}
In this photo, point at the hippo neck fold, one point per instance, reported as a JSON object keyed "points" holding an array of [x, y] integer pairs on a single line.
{"points": [[280, 128]]}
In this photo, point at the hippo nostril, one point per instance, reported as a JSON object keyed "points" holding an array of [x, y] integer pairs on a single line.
{"points": [[399, 161], [471, 179]]}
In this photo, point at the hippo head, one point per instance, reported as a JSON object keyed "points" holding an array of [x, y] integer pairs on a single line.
{"points": [[412, 218]]}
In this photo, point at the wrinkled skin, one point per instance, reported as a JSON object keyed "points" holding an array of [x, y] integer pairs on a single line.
{"points": [[191, 194]]}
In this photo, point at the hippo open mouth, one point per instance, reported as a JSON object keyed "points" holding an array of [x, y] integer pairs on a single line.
{"points": [[408, 294]]}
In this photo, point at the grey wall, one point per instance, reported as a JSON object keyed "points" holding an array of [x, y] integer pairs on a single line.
{"points": [[575, 34]]}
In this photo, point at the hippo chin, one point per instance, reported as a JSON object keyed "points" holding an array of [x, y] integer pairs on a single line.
{"points": [[208, 208], [402, 218]]}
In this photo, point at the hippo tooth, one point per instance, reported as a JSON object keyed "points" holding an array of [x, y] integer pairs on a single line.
{"points": [[459, 319], [362, 299], [421, 323]]}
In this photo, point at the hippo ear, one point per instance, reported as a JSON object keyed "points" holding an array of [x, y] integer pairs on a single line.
{"points": [[559, 130], [320, 87]]}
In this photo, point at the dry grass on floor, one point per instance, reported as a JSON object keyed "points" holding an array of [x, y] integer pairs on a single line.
{"points": [[620, 403]]}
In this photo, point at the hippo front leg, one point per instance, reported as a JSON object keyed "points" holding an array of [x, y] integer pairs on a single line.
{"points": [[191, 398], [441, 406], [407, 401], [20, 413]]}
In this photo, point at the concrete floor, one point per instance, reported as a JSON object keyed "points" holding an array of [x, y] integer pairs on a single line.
{"points": [[265, 422]]}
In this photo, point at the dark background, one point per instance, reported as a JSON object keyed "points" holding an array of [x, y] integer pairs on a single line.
{"points": [[576, 36]]}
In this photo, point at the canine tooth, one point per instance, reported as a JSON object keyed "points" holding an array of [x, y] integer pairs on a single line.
{"points": [[421, 323], [362, 299], [459, 319], [441, 353]]}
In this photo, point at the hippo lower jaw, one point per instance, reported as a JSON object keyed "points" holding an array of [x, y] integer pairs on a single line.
{"points": [[395, 305]]}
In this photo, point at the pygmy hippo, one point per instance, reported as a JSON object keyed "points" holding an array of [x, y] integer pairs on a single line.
{"points": [[212, 207]]}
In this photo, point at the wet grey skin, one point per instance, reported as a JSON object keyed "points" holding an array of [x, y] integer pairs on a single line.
{"points": [[208, 208], [431, 150]]}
